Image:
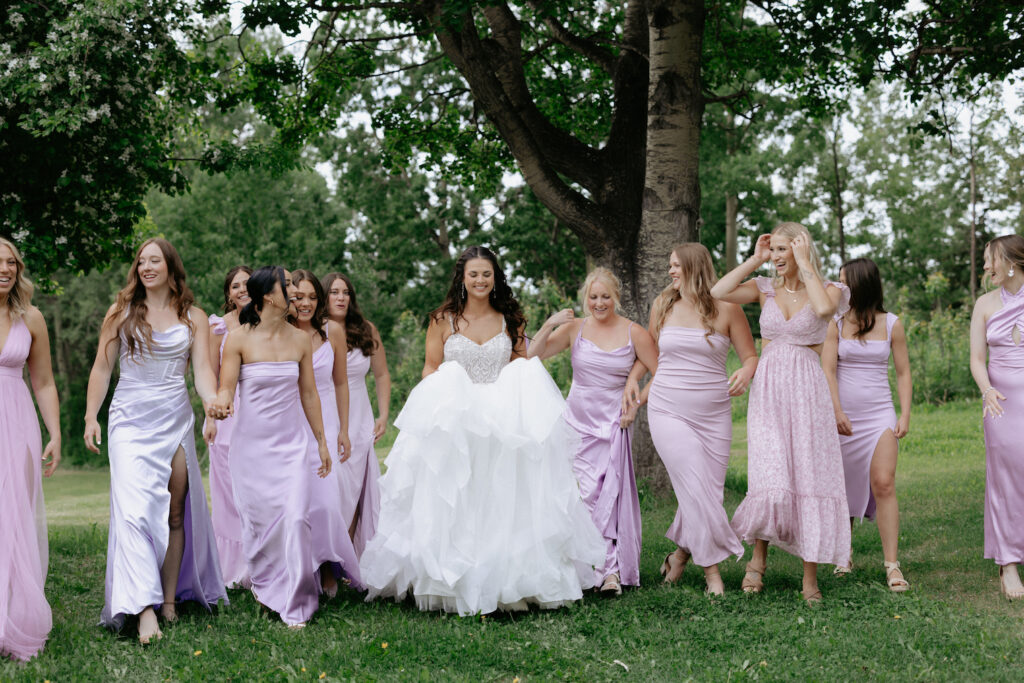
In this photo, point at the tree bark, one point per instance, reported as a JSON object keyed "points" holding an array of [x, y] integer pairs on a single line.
{"points": [[973, 242], [732, 210], [837, 191]]}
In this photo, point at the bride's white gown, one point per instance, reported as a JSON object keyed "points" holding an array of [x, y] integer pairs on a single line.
{"points": [[480, 509]]}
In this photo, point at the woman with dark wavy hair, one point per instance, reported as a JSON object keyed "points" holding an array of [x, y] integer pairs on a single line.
{"points": [[161, 547], [357, 476], [227, 526], [480, 510]]}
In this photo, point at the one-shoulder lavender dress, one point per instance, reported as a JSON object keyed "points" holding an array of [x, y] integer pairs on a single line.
{"points": [[269, 458], [358, 476], [604, 460], [690, 416], [25, 619], [862, 375], [796, 496], [150, 418], [1004, 455], [227, 525], [331, 542]]}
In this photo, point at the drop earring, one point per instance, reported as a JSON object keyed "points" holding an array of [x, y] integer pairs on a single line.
{"points": [[464, 293], [1009, 273]]}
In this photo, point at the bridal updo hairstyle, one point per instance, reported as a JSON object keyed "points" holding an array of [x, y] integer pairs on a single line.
{"points": [[502, 299], [260, 284]]}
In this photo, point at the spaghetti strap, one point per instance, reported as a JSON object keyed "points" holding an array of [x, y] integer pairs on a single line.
{"points": [[579, 333], [629, 334], [451, 325]]}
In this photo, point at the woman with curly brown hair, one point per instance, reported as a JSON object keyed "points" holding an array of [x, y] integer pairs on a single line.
{"points": [[158, 513], [480, 510]]}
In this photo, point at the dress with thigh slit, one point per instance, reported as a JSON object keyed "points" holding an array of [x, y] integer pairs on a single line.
{"points": [[357, 476]]}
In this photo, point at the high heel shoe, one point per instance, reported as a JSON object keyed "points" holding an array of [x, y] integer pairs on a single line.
{"points": [[755, 584], [666, 567]]}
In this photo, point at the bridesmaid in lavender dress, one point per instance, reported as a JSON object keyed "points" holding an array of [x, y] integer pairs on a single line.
{"points": [[227, 525], [690, 412], [997, 326], [271, 363], [332, 545], [604, 347], [25, 618], [856, 363], [796, 498], [160, 547], [357, 476]]}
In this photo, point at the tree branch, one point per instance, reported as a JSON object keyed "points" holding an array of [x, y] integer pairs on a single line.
{"points": [[581, 46]]}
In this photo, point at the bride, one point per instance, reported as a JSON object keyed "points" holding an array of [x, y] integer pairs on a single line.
{"points": [[479, 507]]}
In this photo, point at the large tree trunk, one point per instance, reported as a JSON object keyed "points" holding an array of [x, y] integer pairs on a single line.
{"points": [[732, 210]]}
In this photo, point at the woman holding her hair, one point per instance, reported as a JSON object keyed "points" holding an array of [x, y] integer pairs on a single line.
{"points": [[604, 346], [795, 494], [271, 362], [690, 411], [479, 507], [357, 476], [160, 547], [856, 363], [25, 618], [227, 526], [997, 329]]}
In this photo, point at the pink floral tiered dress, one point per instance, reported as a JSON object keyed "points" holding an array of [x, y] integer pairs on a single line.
{"points": [[796, 496]]}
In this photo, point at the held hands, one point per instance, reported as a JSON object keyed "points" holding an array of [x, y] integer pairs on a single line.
{"points": [[990, 402], [843, 424], [763, 248], [344, 447], [902, 426], [380, 425], [628, 415], [325, 460], [51, 457], [630, 396], [801, 250], [563, 316], [220, 410], [209, 431], [92, 436], [739, 381]]}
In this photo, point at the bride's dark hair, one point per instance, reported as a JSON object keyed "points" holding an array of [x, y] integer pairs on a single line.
{"points": [[502, 299]]}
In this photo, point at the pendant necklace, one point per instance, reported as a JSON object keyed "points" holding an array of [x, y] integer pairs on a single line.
{"points": [[791, 291]]}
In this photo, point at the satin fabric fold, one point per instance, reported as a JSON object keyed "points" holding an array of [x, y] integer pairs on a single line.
{"points": [[358, 476]]}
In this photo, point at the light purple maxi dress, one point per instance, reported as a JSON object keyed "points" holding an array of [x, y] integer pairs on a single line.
{"points": [[331, 542], [796, 496], [862, 375], [690, 417], [357, 476], [25, 618], [227, 525], [269, 459], [604, 460], [1004, 454], [150, 418]]}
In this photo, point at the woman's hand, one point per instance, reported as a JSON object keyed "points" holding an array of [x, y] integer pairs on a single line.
{"points": [[991, 403], [220, 410], [763, 248], [93, 437], [562, 317], [325, 460], [740, 380], [843, 425], [628, 416], [209, 431], [380, 425], [344, 447], [902, 426], [51, 457], [801, 251], [631, 395]]}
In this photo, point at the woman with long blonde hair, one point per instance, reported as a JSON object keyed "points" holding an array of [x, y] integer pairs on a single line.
{"points": [[25, 618], [604, 346], [153, 332], [795, 493], [690, 411]]}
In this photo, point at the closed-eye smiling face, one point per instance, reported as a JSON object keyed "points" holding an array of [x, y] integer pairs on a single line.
{"points": [[238, 294], [338, 299], [305, 300], [782, 254], [290, 292], [478, 278], [8, 269], [152, 267], [600, 303], [675, 270]]}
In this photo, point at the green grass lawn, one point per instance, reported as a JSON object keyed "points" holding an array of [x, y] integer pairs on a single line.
{"points": [[952, 626]]}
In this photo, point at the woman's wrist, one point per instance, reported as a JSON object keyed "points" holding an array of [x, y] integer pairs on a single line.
{"points": [[985, 393]]}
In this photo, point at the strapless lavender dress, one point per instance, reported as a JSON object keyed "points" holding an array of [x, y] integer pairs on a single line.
{"points": [[690, 417], [1004, 454], [25, 618], [604, 460], [358, 476], [862, 374]]}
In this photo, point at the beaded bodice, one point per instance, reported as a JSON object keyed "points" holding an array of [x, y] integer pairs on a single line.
{"points": [[482, 362]]}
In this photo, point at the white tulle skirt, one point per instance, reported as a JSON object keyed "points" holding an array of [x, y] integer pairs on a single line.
{"points": [[480, 510]]}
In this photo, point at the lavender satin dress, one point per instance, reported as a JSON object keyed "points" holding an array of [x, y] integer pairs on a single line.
{"points": [[150, 419], [227, 525], [358, 476], [604, 460], [1004, 455], [862, 374], [690, 417], [331, 542], [25, 619], [796, 496], [269, 459]]}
